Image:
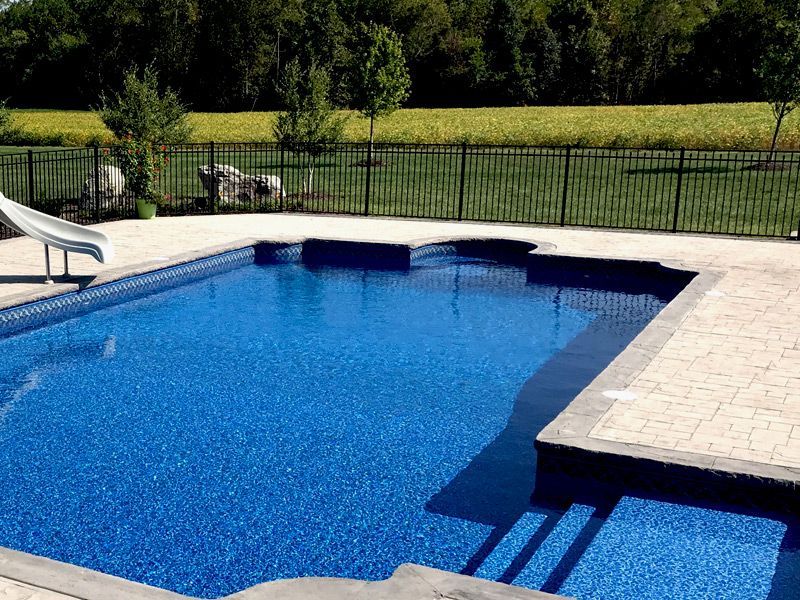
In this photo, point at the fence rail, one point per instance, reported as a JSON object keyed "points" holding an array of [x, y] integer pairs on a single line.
{"points": [[748, 193]]}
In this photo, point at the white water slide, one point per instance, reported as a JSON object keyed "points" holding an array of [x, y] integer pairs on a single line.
{"points": [[55, 232]]}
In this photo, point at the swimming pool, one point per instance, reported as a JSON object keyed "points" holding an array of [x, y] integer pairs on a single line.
{"points": [[284, 420]]}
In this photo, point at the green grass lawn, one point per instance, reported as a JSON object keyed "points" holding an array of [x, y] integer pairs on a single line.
{"points": [[719, 192], [5, 150], [706, 126]]}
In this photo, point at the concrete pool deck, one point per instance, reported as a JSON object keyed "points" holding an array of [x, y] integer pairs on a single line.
{"points": [[713, 383]]}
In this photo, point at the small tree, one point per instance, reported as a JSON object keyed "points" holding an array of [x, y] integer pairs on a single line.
{"points": [[144, 113], [382, 81], [309, 123], [780, 74]]}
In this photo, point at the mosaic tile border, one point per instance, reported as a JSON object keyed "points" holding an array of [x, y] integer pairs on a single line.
{"points": [[509, 251], [73, 304], [433, 250], [270, 253]]}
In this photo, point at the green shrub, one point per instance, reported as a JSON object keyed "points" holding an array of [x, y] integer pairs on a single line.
{"points": [[49, 206], [142, 164], [146, 114]]}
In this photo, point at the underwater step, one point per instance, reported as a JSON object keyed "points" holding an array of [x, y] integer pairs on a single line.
{"points": [[553, 549], [650, 550], [510, 546]]}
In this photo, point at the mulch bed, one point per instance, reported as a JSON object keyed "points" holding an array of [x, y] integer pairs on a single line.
{"points": [[375, 163], [766, 165]]}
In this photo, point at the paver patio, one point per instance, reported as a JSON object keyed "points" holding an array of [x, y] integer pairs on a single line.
{"points": [[725, 385]]}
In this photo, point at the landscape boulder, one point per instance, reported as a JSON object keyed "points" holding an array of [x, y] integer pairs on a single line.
{"points": [[111, 188], [231, 185]]}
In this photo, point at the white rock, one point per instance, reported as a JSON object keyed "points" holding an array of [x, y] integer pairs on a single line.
{"points": [[231, 185], [111, 188], [269, 185]]}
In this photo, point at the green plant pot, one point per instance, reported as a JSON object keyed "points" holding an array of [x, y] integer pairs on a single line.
{"points": [[145, 209]]}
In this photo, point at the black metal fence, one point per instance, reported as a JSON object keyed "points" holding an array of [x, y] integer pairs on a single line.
{"points": [[724, 192]]}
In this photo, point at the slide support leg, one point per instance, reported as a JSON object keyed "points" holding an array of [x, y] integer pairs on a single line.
{"points": [[48, 278], [66, 264]]}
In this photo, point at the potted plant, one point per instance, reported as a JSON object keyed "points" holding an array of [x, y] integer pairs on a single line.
{"points": [[142, 164]]}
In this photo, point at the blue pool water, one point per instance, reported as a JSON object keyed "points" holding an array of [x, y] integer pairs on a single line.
{"points": [[703, 553], [282, 421]]}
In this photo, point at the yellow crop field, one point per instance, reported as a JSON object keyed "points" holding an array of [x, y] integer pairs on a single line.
{"points": [[711, 126]]}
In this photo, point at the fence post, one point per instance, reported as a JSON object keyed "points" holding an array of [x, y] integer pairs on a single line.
{"points": [[564, 191], [283, 184], [461, 183], [678, 191], [96, 183], [212, 187], [31, 194], [366, 185]]}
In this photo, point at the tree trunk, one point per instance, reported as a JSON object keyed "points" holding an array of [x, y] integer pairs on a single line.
{"points": [[310, 180], [371, 137], [779, 115]]}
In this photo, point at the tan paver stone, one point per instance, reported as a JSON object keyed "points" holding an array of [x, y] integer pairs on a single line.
{"points": [[769, 436]]}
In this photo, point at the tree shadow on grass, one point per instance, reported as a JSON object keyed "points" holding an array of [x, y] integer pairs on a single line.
{"points": [[675, 170]]}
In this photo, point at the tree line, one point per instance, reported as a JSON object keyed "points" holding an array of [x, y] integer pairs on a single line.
{"points": [[232, 54]]}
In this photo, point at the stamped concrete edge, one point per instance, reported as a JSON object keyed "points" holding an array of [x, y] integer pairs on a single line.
{"points": [[571, 428], [408, 582]]}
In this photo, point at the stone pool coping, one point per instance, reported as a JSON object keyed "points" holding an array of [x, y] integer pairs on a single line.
{"points": [[408, 582], [569, 457], [563, 444]]}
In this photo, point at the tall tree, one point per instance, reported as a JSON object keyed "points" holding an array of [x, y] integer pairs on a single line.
{"points": [[721, 65], [235, 53], [648, 40], [522, 54], [308, 124], [172, 26], [461, 68], [325, 37], [40, 52], [382, 80], [583, 75], [780, 72]]}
